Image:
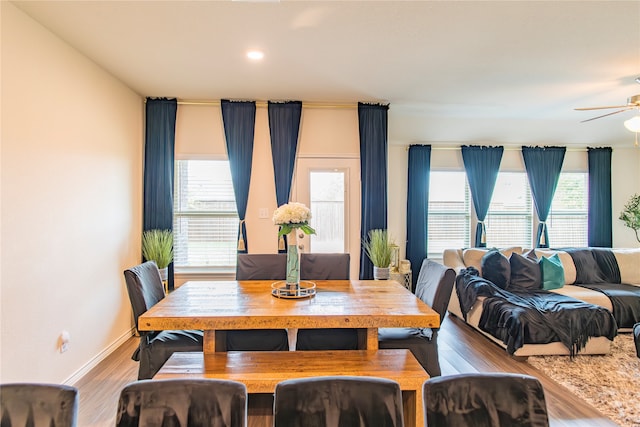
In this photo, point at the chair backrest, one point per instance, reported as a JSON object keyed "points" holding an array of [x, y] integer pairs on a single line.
{"points": [[434, 286], [487, 399], [261, 267], [334, 401], [24, 404], [183, 402], [324, 266], [144, 287]]}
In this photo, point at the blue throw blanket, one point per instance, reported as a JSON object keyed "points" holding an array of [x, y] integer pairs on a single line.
{"points": [[597, 269], [540, 317]]}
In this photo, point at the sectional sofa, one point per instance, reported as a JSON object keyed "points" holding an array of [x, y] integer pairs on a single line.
{"points": [[604, 278]]}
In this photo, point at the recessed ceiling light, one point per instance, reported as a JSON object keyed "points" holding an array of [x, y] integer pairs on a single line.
{"points": [[255, 55]]}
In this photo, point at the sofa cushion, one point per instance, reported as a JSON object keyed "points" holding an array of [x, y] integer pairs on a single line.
{"points": [[567, 263], [496, 268], [525, 271], [629, 265], [552, 272], [472, 257], [587, 269]]}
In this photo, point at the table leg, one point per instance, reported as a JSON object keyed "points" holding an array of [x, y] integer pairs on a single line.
{"points": [[214, 340], [368, 339]]}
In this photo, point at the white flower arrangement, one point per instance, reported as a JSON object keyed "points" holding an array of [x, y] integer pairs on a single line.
{"points": [[291, 216]]}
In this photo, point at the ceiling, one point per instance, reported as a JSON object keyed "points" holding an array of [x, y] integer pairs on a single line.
{"points": [[507, 72]]}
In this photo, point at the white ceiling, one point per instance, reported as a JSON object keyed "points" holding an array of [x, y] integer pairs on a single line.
{"points": [[508, 72]]}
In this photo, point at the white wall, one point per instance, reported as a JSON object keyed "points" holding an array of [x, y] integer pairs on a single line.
{"points": [[625, 182], [71, 176]]}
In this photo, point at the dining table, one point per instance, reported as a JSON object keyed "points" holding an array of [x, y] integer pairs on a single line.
{"points": [[218, 306]]}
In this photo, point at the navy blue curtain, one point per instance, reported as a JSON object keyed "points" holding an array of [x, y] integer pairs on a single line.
{"points": [[417, 206], [543, 165], [239, 119], [372, 121], [159, 154], [600, 211], [481, 164], [284, 126]]}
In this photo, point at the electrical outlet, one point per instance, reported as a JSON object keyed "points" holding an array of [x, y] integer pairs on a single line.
{"points": [[263, 213], [63, 341]]}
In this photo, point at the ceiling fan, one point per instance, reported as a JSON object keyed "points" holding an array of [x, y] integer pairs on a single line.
{"points": [[632, 102]]}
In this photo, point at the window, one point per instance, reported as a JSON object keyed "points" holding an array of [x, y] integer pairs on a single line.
{"points": [[205, 216], [567, 221], [326, 192], [449, 212], [510, 216]]}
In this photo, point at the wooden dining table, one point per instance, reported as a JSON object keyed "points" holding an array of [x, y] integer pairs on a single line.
{"points": [[218, 306]]}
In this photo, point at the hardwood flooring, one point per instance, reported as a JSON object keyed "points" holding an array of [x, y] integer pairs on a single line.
{"points": [[462, 350]]}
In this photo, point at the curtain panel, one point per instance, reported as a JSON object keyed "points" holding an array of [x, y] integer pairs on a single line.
{"points": [[372, 121], [239, 120], [159, 155], [417, 206], [543, 165], [284, 127], [600, 214], [481, 164]]}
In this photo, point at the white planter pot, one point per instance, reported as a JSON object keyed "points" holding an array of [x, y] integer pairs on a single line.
{"points": [[164, 273], [380, 273]]}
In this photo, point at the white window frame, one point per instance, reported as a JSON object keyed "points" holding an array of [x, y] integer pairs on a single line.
{"points": [[434, 213], [204, 270]]}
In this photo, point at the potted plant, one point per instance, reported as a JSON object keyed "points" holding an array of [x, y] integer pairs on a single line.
{"points": [[157, 246], [631, 214], [378, 248]]}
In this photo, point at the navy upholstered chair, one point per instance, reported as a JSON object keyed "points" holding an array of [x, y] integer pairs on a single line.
{"points": [[259, 267], [145, 290], [326, 267], [35, 404], [434, 286], [183, 402], [337, 401], [485, 400]]}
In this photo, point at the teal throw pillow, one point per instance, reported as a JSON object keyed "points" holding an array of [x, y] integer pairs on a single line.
{"points": [[552, 272]]}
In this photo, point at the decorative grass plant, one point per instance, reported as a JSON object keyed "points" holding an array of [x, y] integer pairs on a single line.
{"points": [[157, 245], [378, 248]]}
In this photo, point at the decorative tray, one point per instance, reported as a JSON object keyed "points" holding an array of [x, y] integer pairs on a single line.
{"points": [[280, 289]]}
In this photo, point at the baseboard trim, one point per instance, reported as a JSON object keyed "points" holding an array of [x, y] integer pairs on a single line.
{"points": [[76, 376]]}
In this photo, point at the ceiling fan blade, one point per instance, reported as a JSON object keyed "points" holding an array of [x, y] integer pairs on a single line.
{"points": [[605, 115], [600, 108]]}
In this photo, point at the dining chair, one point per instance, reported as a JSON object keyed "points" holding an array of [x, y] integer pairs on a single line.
{"points": [[145, 289], [259, 267], [326, 267], [434, 286], [183, 402], [485, 400], [37, 404], [338, 401]]}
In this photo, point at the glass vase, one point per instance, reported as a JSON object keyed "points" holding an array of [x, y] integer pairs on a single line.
{"points": [[293, 264]]}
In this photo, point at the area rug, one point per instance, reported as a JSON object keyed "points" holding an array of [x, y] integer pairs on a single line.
{"points": [[610, 383]]}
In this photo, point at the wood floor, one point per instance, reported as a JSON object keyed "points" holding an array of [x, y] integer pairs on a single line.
{"points": [[462, 350]]}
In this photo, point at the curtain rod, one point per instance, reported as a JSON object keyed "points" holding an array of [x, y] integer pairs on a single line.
{"points": [[506, 147], [263, 104]]}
